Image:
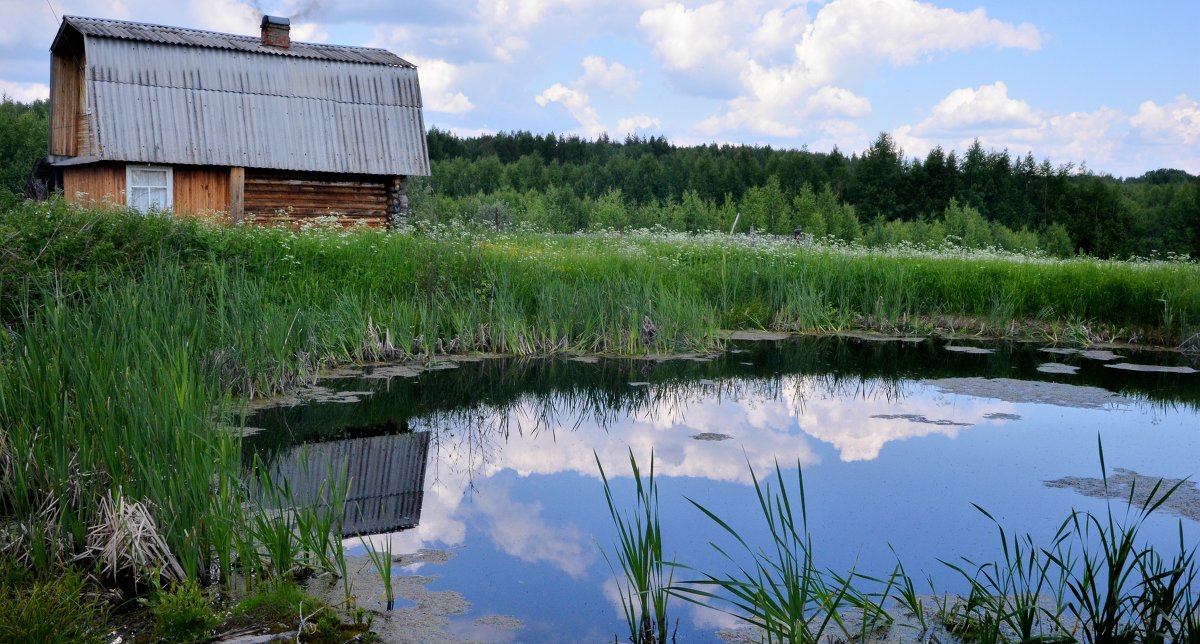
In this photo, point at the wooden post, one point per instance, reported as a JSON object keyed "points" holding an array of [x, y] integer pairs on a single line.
{"points": [[237, 194]]}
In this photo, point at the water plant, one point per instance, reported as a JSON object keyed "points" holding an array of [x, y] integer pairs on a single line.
{"points": [[778, 588], [644, 581], [1123, 590], [382, 560], [183, 612], [1093, 582]]}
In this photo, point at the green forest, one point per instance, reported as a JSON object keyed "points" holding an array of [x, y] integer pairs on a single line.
{"points": [[980, 197], [977, 198]]}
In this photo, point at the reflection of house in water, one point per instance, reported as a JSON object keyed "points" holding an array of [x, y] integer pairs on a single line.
{"points": [[386, 474]]}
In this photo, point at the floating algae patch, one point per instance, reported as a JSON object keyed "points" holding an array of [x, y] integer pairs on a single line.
{"points": [[1099, 354], [667, 357], [1058, 367], [1062, 351], [903, 628], [1184, 502], [961, 348], [999, 415], [758, 335], [585, 359], [307, 395], [918, 418], [423, 614], [424, 555], [712, 436], [1149, 368], [335, 373], [879, 337], [394, 371], [1026, 391]]}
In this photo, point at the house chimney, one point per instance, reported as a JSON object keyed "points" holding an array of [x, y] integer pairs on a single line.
{"points": [[275, 32]]}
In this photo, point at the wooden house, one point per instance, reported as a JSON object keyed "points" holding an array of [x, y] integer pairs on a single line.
{"points": [[213, 124]]}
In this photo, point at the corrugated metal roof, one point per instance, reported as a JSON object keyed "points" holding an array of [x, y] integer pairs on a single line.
{"points": [[138, 31], [386, 473], [184, 99]]}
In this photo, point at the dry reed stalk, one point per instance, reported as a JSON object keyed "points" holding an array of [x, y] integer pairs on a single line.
{"points": [[126, 539]]}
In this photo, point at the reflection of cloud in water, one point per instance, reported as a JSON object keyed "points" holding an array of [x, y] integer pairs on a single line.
{"points": [[859, 425], [519, 530], [775, 421]]}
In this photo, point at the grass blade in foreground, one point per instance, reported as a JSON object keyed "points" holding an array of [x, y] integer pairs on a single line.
{"points": [[781, 591], [644, 592]]}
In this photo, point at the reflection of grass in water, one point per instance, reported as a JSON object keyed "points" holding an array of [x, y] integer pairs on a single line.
{"points": [[1094, 582]]}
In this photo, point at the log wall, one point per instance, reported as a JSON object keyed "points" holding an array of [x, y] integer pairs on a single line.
{"points": [[292, 197]]}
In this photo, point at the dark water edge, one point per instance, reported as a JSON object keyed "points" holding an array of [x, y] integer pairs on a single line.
{"points": [[602, 387]]}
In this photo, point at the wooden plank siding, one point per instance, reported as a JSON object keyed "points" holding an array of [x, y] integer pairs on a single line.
{"points": [[237, 194], [201, 191], [69, 134], [95, 184], [276, 197]]}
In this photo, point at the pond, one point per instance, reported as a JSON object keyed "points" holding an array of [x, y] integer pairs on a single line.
{"points": [[487, 467]]}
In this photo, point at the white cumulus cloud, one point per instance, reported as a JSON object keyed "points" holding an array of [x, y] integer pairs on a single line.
{"points": [[1175, 122], [988, 106], [837, 101], [773, 89], [631, 124], [998, 121], [24, 92], [578, 105], [438, 78], [610, 77], [602, 75]]}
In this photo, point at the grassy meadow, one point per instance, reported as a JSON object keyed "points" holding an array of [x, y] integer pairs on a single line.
{"points": [[127, 340]]}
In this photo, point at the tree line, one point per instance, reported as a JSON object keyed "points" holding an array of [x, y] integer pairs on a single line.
{"points": [[981, 197], [566, 183]]}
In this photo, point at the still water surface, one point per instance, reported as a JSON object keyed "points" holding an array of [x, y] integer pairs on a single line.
{"points": [[494, 460]]}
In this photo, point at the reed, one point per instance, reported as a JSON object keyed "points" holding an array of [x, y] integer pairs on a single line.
{"points": [[778, 588], [645, 577], [382, 560]]}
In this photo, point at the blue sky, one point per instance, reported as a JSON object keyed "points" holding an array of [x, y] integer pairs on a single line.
{"points": [[1110, 85]]}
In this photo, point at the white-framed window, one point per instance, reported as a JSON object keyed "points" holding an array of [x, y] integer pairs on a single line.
{"points": [[149, 187]]}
